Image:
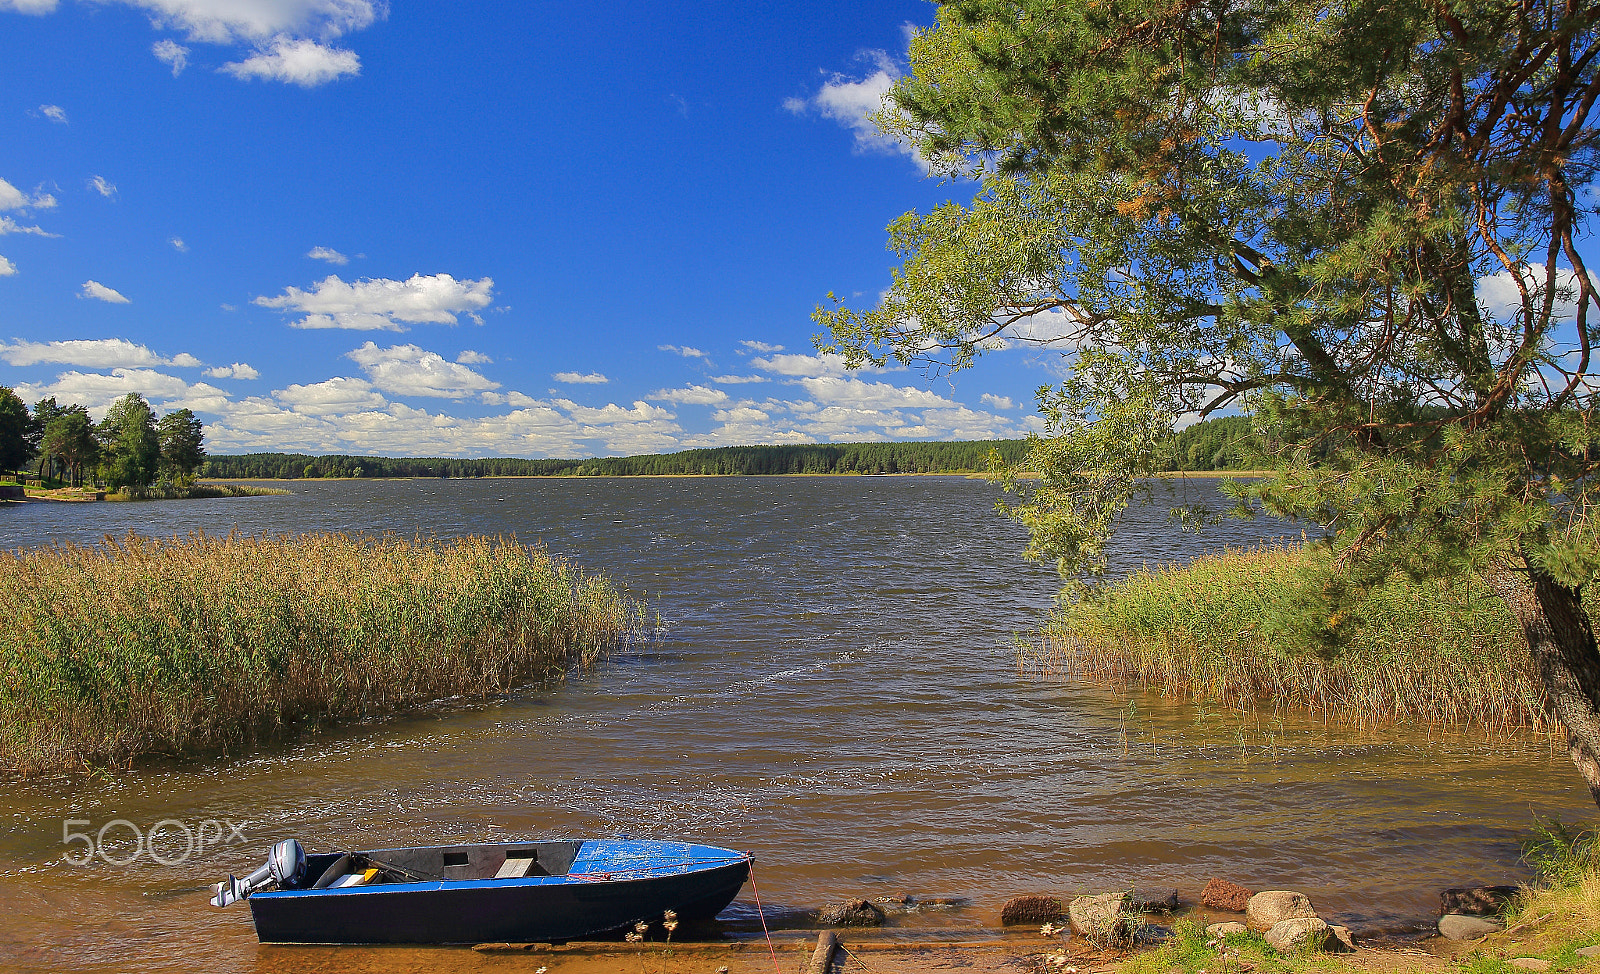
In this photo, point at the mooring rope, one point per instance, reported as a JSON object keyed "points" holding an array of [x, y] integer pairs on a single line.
{"points": [[762, 914]]}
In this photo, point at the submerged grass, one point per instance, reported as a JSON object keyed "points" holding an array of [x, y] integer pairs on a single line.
{"points": [[1251, 627], [142, 647]]}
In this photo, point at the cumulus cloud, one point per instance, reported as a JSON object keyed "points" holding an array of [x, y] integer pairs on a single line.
{"points": [[54, 113], [98, 391], [802, 365], [29, 6], [406, 370], [96, 353], [237, 370], [831, 390], [733, 380], [172, 53], [580, 378], [328, 254], [7, 268], [179, 245], [99, 185], [299, 61], [741, 414], [694, 395], [853, 101], [98, 291], [12, 198], [1498, 293], [331, 396], [8, 225], [762, 347], [997, 402], [683, 350], [469, 357], [373, 304]]}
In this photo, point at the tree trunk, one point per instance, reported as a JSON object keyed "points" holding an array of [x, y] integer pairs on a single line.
{"points": [[1562, 644]]}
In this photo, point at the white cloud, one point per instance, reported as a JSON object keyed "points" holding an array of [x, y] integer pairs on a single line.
{"points": [[328, 254], [381, 304], [54, 113], [29, 6], [99, 185], [237, 370], [733, 380], [7, 268], [694, 395], [97, 353], [97, 391], [580, 378], [831, 390], [8, 225], [802, 365], [98, 291], [853, 102], [172, 53], [683, 350], [740, 414], [179, 245], [997, 402], [469, 357], [12, 198], [406, 370], [1499, 296], [331, 396], [297, 61], [234, 21], [762, 347]]}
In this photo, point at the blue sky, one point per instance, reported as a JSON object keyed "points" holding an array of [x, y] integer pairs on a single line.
{"points": [[342, 226]]}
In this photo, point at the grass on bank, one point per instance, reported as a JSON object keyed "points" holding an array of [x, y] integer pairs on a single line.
{"points": [[196, 492], [1247, 627], [142, 647]]}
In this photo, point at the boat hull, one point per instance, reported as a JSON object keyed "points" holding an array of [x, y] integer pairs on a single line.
{"points": [[543, 909]]}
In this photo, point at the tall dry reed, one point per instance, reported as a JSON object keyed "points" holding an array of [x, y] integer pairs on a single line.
{"points": [[1251, 627], [142, 647]]}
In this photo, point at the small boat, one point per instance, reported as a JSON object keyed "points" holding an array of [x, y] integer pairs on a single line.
{"points": [[522, 892]]}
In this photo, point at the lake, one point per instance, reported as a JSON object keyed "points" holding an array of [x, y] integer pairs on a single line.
{"points": [[834, 685]]}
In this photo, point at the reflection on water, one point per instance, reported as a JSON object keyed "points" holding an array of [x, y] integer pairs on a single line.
{"points": [[834, 689]]}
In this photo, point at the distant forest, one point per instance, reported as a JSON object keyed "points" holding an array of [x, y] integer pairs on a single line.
{"points": [[1213, 445]]}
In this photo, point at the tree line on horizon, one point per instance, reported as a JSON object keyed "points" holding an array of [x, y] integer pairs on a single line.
{"points": [[1216, 444], [130, 449]]}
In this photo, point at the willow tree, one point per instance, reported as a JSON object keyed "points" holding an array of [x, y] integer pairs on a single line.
{"points": [[1356, 220]]}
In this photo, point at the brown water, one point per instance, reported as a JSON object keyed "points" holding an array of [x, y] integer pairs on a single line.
{"points": [[835, 689]]}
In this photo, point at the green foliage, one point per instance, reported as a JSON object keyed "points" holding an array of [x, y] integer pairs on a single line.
{"points": [[1560, 854], [15, 431], [181, 440], [130, 447], [69, 444]]}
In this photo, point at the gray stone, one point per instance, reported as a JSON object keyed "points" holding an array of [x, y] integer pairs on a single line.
{"points": [[1161, 899], [1456, 926], [1588, 951], [1226, 928], [1274, 906], [1298, 933], [1032, 908], [1342, 941], [1105, 919], [851, 913], [1477, 901], [1529, 963]]}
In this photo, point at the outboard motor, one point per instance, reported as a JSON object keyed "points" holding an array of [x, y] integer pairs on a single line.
{"points": [[285, 867]]}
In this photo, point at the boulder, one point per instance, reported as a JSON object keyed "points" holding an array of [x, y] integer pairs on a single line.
{"points": [[942, 902], [851, 913], [1273, 906], [1529, 963], [1588, 951], [1161, 899], [1106, 919], [1220, 894], [1342, 940], [1226, 928], [1457, 926], [1476, 901], [1033, 908], [1298, 933]]}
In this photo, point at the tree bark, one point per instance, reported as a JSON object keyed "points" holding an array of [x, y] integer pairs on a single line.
{"points": [[1562, 643]]}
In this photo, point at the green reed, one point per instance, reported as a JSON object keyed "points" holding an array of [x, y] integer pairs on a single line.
{"points": [[141, 647], [1248, 627]]}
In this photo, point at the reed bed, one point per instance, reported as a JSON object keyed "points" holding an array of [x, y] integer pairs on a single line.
{"points": [[196, 492], [1246, 628], [140, 647]]}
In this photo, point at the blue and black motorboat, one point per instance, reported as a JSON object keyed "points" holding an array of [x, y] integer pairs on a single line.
{"points": [[532, 892]]}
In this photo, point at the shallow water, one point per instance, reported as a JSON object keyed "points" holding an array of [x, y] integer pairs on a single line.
{"points": [[835, 688]]}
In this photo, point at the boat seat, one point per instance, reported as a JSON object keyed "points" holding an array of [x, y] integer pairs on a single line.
{"points": [[518, 868], [354, 879]]}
